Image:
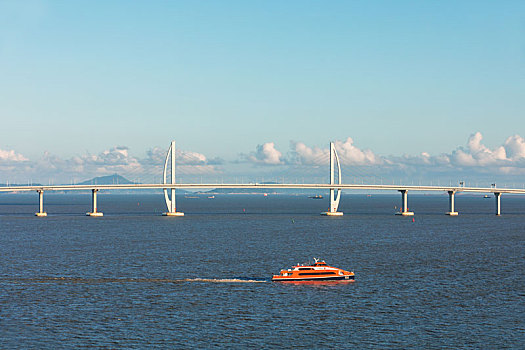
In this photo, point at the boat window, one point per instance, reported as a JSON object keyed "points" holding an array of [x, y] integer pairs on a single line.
{"points": [[315, 273], [305, 268]]}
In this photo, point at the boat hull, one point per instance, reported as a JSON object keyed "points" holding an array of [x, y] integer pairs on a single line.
{"points": [[320, 278]]}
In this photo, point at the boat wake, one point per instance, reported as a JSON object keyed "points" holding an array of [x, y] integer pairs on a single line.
{"points": [[224, 280], [129, 280]]}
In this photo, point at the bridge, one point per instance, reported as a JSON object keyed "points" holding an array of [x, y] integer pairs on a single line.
{"points": [[335, 186]]}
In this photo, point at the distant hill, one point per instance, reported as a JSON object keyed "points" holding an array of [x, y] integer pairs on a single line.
{"points": [[114, 179], [117, 179]]}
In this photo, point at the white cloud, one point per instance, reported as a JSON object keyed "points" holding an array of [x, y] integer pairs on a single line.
{"points": [[118, 160], [305, 155], [157, 156], [265, 154], [188, 162], [11, 156], [350, 154], [515, 147], [508, 158], [110, 161], [190, 158], [476, 154], [462, 158], [113, 160], [347, 152], [12, 164], [472, 158]]}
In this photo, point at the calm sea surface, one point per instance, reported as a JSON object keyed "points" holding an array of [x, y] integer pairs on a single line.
{"points": [[135, 279]]}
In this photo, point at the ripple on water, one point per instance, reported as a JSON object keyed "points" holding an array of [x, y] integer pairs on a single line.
{"points": [[203, 281]]}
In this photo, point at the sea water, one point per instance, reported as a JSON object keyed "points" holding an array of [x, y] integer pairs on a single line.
{"points": [[136, 279]]}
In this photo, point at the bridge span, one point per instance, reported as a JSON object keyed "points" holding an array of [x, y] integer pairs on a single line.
{"points": [[332, 186], [497, 192]]}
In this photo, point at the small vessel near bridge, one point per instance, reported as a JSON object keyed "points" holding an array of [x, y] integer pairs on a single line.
{"points": [[335, 186], [318, 196], [318, 271]]}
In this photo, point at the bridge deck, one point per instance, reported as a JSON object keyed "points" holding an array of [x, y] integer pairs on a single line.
{"points": [[261, 186]]}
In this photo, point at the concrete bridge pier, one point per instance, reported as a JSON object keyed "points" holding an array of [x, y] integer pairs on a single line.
{"points": [[497, 195], [451, 211], [41, 212], [172, 209], [94, 211], [404, 204]]}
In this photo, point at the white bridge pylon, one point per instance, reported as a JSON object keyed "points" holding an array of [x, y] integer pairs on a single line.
{"points": [[170, 202], [334, 200], [333, 185]]}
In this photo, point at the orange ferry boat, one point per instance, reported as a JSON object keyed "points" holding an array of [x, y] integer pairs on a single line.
{"points": [[318, 271]]}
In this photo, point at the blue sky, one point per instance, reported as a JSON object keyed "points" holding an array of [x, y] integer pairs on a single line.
{"points": [[226, 78]]}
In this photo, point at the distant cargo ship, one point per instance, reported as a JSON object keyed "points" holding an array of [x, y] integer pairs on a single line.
{"points": [[316, 197]]}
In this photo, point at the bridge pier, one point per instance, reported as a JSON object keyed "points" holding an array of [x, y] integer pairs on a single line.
{"points": [[94, 211], [404, 204], [173, 213], [451, 211], [41, 212], [172, 210], [497, 195], [334, 203]]}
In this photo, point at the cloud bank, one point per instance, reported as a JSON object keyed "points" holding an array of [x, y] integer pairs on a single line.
{"points": [[114, 160], [472, 158], [11, 156], [509, 158]]}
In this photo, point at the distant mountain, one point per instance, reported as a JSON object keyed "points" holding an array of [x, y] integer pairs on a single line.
{"points": [[114, 179], [117, 179]]}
